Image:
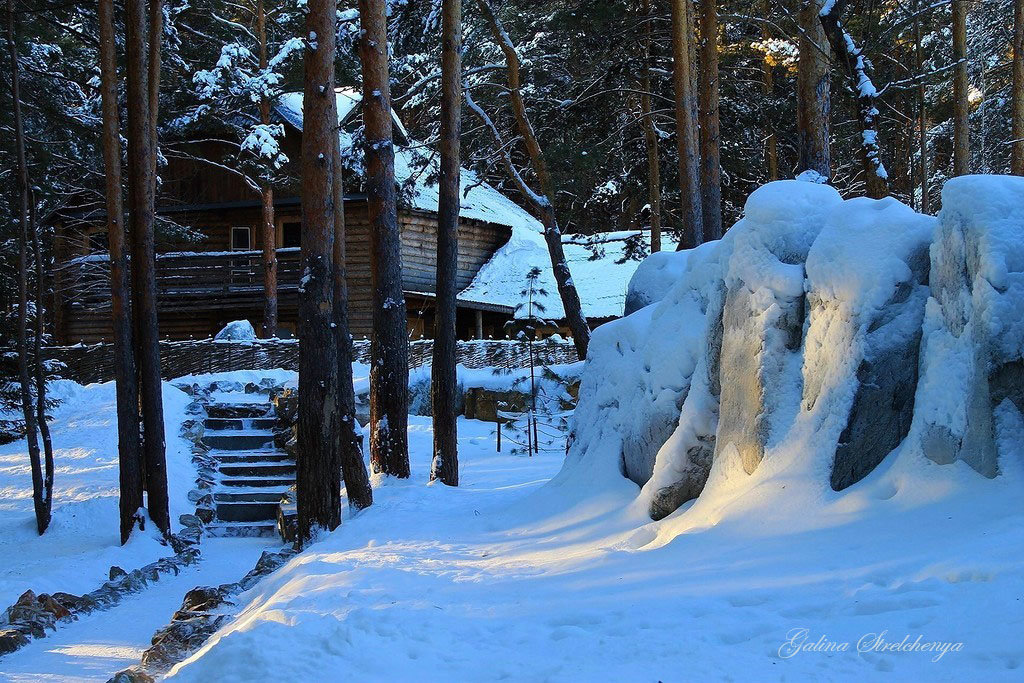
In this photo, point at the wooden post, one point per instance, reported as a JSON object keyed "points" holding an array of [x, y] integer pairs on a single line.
{"points": [[478, 315]]}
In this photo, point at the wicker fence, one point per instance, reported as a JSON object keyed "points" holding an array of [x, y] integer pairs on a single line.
{"points": [[94, 362]]}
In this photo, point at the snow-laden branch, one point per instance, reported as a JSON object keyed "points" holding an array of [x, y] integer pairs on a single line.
{"points": [[857, 69], [531, 196]]}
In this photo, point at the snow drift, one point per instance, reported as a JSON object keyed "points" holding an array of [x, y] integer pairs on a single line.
{"points": [[817, 338]]}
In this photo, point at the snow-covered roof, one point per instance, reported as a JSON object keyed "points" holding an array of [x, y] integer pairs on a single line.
{"points": [[480, 201], [289, 107], [599, 266]]}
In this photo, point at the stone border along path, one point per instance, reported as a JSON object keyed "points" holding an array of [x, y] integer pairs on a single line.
{"points": [[32, 615], [199, 618]]}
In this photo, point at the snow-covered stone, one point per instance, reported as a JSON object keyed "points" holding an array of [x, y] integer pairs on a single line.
{"points": [[237, 330], [974, 325], [764, 311], [867, 278]]}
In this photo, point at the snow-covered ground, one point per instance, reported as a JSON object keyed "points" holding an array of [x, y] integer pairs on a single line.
{"points": [[504, 578], [102, 643], [83, 541]]}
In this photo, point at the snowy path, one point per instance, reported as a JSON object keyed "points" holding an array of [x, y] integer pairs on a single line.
{"points": [[100, 644]]}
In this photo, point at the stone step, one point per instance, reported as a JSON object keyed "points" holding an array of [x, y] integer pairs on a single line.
{"points": [[236, 410], [239, 423], [251, 456], [245, 511], [238, 442], [257, 470], [284, 482], [249, 496], [277, 489], [242, 529]]}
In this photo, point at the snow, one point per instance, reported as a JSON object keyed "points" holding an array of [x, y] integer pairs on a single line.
{"points": [[550, 568], [237, 330], [83, 541], [506, 578], [99, 644], [599, 265]]}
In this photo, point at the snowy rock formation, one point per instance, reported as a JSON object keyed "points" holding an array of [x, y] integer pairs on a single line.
{"points": [[818, 335], [974, 324]]}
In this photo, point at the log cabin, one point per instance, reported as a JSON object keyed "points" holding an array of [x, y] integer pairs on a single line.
{"points": [[215, 276]]}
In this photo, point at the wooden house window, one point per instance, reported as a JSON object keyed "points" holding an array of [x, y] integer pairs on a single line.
{"points": [[241, 238], [291, 234]]}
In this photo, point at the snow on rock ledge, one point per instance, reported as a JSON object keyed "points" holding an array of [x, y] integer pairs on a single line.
{"points": [[795, 344], [974, 326]]}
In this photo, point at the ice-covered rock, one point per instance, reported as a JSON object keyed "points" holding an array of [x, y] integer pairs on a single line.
{"points": [[974, 326], [237, 330], [815, 339], [763, 316], [867, 276], [658, 274], [638, 372]]}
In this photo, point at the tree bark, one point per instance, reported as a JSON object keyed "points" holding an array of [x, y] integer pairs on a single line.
{"points": [[141, 171], [922, 115], [692, 233], [961, 129], [813, 105], [710, 160], [543, 203], [156, 33], [1017, 98], [37, 366], [650, 134], [768, 81], [268, 231], [443, 380], [389, 365], [129, 465], [856, 66], [318, 463], [40, 501], [349, 442]]}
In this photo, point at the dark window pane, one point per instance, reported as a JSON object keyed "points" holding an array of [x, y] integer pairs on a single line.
{"points": [[291, 234], [240, 238]]}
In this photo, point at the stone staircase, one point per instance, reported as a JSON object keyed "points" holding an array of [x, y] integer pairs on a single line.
{"points": [[252, 473]]}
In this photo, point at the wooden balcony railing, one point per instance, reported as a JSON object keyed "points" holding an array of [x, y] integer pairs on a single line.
{"points": [[184, 278]]}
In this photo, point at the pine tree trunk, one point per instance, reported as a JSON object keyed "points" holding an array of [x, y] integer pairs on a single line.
{"points": [[268, 231], [1017, 98], [710, 161], [141, 172], [37, 367], [129, 465], [349, 442], [40, 503], [813, 105], [318, 462], [544, 204], [389, 365], [961, 130], [768, 81], [650, 134], [922, 116], [691, 215], [856, 66], [443, 381]]}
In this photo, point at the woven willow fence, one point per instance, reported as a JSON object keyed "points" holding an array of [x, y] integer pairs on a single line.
{"points": [[94, 362]]}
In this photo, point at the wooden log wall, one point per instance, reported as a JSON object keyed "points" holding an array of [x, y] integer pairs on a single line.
{"points": [[198, 294]]}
